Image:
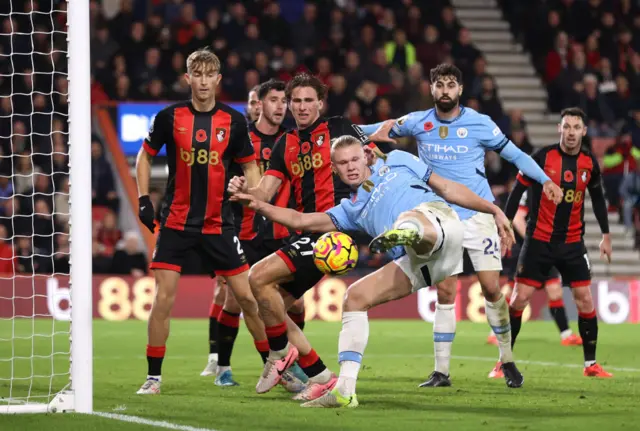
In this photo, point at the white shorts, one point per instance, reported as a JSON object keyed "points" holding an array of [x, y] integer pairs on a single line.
{"points": [[482, 242], [429, 269]]}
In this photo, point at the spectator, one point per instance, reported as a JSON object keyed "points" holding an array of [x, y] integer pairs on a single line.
{"points": [[400, 52], [30, 259], [620, 101], [102, 48], [108, 233], [630, 194], [24, 171], [274, 27], [43, 226], [490, 103], [592, 50], [430, 51], [337, 98], [61, 209], [598, 111], [449, 28], [129, 258], [61, 254], [252, 44], [6, 253], [234, 24], [305, 32], [464, 52], [103, 190], [558, 58], [616, 162], [366, 45]]}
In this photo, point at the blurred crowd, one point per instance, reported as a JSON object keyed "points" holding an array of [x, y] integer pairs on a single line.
{"points": [[374, 56]]}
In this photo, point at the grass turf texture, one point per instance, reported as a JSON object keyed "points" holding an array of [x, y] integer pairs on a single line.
{"points": [[398, 358]]}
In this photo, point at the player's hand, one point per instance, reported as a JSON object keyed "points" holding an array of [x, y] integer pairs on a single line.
{"points": [[372, 153], [507, 237], [605, 248], [245, 199], [146, 214], [553, 191], [237, 185], [382, 133]]}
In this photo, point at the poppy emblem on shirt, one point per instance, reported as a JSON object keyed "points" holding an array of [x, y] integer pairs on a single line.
{"points": [[266, 153], [428, 126], [568, 176], [305, 147], [201, 135], [221, 134]]}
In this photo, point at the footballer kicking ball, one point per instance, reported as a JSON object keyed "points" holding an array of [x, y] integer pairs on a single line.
{"points": [[335, 253]]}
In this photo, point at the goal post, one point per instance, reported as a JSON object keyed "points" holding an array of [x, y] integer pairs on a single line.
{"points": [[80, 203], [46, 363]]}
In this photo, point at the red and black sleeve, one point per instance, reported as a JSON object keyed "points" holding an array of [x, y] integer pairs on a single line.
{"points": [[596, 191], [240, 144], [159, 132], [277, 164]]}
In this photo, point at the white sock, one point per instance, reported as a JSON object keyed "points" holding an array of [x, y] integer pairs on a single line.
{"points": [[351, 344], [566, 333], [589, 363], [498, 318], [444, 331], [221, 370], [324, 376], [158, 378], [213, 357]]}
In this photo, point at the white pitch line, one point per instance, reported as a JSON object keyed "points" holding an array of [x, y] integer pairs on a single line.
{"points": [[143, 421]]}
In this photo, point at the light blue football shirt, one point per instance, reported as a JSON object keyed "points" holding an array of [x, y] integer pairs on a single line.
{"points": [[396, 184]]}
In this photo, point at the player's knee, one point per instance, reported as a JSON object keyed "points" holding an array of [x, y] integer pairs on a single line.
{"points": [[356, 299], [258, 277], [519, 299], [297, 307], [583, 299]]}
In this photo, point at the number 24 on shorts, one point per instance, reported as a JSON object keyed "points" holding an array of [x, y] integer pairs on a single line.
{"points": [[490, 246]]}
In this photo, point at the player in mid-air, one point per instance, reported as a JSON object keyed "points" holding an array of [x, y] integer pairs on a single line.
{"points": [[555, 233], [301, 156], [258, 238], [401, 202], [454, 139], [203, 137]]}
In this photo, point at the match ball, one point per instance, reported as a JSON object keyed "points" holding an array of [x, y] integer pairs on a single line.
{"points": [[335, 253]]}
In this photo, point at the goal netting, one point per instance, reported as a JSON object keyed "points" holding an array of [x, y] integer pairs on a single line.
{"points": [[45, 207]]}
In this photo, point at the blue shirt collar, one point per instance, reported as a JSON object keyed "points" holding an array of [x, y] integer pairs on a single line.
{"points": [[435, 112]]}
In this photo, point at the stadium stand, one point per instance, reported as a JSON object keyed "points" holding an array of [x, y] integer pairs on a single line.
{"points": [[375, 57]]}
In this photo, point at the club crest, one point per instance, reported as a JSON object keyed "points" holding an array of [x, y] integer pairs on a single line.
{"points": [[221, 134]]}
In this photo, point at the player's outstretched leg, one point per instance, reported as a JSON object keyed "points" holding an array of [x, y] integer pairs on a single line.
{"points": [[444, 332], [407, 231], [588, 326], [158, 328], [264, 278], [386, 284], [214, 312], [553, 287]]}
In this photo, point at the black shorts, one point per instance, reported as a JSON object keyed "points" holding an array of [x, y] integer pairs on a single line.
{"points": [[220, 253], [537, 259], [257, 249], [298, 255], [510, 264]]}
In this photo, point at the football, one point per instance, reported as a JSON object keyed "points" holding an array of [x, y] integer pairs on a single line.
{"points": [[335, 253]]}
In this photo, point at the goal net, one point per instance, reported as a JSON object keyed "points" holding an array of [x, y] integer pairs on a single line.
{"points": [[45, 207]]}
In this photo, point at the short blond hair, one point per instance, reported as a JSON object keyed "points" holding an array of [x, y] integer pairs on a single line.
{"points": [[343, 141], [204, 60]]}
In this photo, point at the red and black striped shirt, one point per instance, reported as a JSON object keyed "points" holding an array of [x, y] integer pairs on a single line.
{"points": [[304, 158], [248, 226], [200, 148], [575, 174]]}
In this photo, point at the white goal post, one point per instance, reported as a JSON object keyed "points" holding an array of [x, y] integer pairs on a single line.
{"points": [[75, 392]]}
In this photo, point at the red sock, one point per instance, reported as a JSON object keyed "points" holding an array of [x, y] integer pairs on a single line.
{"points": [[277, 336], [311, 364], [262, 346], [558, 303], [215, 310]]}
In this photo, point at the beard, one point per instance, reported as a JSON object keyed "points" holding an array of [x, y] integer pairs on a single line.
{"points": [[446, 105]]}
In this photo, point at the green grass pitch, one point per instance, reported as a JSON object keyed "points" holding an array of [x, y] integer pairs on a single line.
{"points": [[555, 395]]}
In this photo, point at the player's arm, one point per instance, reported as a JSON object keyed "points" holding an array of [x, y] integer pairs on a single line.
{"points": [[520, 222], [251, 172], [151, 145], [513, 201], [493, 139], [310, 222], [596, 191]]}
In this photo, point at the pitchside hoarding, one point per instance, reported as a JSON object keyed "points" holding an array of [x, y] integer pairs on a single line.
{"points": [[118, 298], [134, 120]]}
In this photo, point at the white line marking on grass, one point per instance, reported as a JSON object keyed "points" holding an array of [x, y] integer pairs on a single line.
{"points": [[143, 421]]}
